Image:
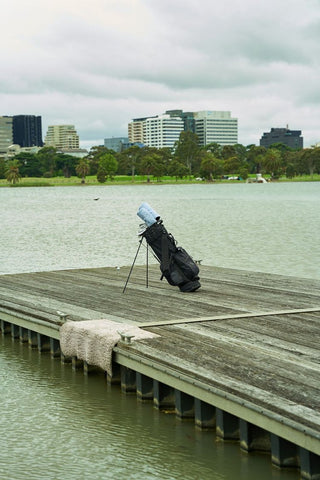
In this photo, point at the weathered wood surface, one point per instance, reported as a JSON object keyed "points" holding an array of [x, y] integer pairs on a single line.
{"points": [[273, 359]]}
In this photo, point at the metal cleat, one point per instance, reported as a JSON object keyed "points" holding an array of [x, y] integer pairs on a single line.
{"points": [[125, 337]]}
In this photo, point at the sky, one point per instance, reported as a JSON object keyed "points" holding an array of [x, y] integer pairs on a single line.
{"points": [[98, 64]]}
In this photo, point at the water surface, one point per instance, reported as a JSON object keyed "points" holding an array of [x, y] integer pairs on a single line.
{"points": [[57, 424], [262, 227]]}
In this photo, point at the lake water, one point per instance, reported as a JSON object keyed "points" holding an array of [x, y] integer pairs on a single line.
{"points": [[58, 424], [262, 227]]}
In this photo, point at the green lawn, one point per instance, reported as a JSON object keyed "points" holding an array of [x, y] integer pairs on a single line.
{"points": [[127, 180]]}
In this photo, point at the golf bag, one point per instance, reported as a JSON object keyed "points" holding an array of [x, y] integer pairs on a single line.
{"points": [[176, 264]]}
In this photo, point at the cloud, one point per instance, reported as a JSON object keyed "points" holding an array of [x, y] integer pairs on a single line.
{"points": [[97, 65]]}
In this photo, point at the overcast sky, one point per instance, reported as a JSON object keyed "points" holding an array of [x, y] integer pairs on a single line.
{"points": [[97, 64]]}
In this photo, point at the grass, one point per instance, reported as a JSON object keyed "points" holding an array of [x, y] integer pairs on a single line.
{"points": [[92, 180], [127, 180], [302, 178]]}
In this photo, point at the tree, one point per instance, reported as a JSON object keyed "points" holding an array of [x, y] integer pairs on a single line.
{"points": [[47, 161], [159, 167], [177, 169], [148, 164], [291, 160], [82, 169], [244, 171], [2, 168], [101, 174], [187, 150], [281, 147], [166, 157], [211, 167], [29, 165], [272, 162], [108, 167], [12, 172], [65, 165], [232, 165], [316, 158], [214, 148], [255, 156], [94, 156], [240, 152], [228, 151], [235, 159], [307, 161], [290, 170], [128, 160]]}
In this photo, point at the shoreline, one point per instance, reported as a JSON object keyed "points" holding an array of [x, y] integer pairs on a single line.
{"points": [[76, 182]]}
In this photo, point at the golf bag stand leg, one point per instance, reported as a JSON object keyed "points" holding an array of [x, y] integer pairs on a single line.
{"points": [[134, 261]]}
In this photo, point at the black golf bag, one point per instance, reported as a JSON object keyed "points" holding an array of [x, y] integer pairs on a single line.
{"points": [[176, 264]]}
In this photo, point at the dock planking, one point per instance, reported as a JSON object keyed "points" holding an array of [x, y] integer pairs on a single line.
{"points": [[232, 334]]}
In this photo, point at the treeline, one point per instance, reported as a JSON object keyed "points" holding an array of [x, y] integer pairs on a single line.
{"points": [[185, 159]]}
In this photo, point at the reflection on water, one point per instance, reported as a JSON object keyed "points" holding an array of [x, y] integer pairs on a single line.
{"points": [[58, 424], [262, 227]]}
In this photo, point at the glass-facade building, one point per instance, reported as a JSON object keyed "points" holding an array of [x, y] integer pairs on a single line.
{"points": [[291, 138], [27, 130], [117, 144]]}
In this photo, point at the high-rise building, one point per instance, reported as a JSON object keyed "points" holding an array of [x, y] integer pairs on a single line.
{"points": [[216, 127], [164, 130], [135, 130], [27, 130], [156, 131], [62, 136], [6, 134], [291, 138], [187, 117]]}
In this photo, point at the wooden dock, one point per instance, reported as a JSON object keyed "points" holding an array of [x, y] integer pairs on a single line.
{"points": [[241, 355]]}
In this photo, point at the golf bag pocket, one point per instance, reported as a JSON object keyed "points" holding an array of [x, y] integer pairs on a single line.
{"points": [[180, 269], [186, 264]]}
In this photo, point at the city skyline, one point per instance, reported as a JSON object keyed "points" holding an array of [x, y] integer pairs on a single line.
{"points": [[76, 141], [99, 65]]}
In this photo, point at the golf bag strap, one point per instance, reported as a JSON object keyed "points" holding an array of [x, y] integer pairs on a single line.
{"points": [[165, 260]]}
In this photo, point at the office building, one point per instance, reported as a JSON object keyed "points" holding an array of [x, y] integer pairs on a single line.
{"points": [[6, 134], [27, 130], [117, 144], [156, 131], [216, 127], [62, 137], [135, 130], [187, 117], [291, 138], [164, 130]]}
